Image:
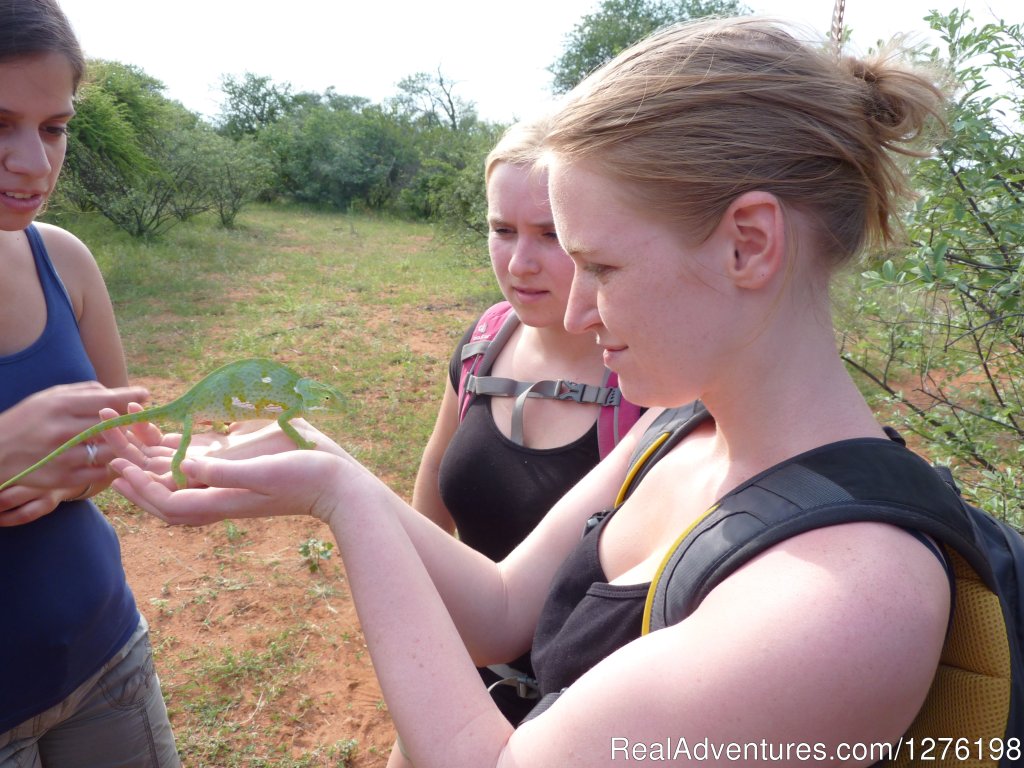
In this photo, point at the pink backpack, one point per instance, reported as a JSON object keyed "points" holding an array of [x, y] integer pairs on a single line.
{"points": [[491, 332]]}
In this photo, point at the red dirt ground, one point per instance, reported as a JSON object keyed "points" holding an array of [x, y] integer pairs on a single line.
{"points": [[238, 610]]}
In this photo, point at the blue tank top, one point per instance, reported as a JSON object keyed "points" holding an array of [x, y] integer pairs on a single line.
{"points": [[65, 604]]}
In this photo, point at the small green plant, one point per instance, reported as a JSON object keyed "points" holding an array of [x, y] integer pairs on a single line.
{"points": [[233, 532], [343, 751], [314, 550]]}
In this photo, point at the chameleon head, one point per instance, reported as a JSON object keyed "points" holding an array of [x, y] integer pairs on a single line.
{"points": [[318, 397]]}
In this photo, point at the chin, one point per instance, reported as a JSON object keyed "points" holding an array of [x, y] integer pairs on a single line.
{"points": [[535, 317], [652, 397]]}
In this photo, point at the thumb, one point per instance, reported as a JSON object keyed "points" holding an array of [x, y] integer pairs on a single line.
{"points": [[213, 472], [271, 474]]}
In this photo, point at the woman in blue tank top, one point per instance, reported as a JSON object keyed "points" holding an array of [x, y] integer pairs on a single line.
{"points": [[77, 685]]}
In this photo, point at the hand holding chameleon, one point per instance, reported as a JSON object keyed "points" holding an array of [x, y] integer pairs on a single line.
{"points": [[239, 391]]}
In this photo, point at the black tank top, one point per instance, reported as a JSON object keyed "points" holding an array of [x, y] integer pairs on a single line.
{"points": [[585, 619], [497, 491]]}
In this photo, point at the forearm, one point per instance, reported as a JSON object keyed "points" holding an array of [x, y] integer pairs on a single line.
{"points": [[393, 559], [471, 586]]}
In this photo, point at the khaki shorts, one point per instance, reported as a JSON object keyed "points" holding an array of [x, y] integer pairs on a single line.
{"points": [[115, 719]]}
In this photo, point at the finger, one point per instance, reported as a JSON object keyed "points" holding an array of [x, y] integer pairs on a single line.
{"points": [[159, 474], [88, 401], [143, 432], [28, 511], [120, 446], [146, 432], [138, 487], [81, 412], [190, 506], [147, 452], [15, 496], [123, 443]]}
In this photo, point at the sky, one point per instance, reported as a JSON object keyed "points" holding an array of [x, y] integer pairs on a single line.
{"points": [[496, 53]]}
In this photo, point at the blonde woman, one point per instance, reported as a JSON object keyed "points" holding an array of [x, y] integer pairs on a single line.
{"points": [[707, 184]]}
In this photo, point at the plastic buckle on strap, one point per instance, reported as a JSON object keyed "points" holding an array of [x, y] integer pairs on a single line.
{"points": [[586, 393], [526, 686], [569, 390]]}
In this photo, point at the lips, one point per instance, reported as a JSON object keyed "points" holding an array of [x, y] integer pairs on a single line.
{"points": [[21, 202], [528, 294]]}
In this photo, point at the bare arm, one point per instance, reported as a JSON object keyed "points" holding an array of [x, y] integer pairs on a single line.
{"points": [[89, 297], [829, 637], [45, 420], [426, 496], [495, 616]]}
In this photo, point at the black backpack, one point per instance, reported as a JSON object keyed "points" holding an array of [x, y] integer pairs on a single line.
{"points": [[973, 714]]}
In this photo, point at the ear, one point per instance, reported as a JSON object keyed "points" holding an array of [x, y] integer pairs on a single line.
{"points": [[755, 225]]}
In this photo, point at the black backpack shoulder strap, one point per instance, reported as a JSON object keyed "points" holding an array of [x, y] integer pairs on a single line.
{"points": [[663, 434], [857, 480]]}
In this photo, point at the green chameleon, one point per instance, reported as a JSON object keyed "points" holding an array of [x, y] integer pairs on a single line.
{"points": [[239, 391]]}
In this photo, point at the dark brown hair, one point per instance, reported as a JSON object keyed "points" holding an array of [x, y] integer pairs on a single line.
{"points": [[35, 27]]}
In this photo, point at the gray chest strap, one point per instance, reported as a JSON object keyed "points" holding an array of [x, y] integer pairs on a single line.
{"points": [[552, 389]]}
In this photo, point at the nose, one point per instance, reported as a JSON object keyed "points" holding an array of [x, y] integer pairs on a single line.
{"points": [[581, 313], [524, 259], [25, 154]]}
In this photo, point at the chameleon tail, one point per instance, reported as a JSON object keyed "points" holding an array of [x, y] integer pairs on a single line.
{"points": [[81, 437]]}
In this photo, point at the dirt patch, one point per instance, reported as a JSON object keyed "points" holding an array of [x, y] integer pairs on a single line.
{"points": [[253, 647]]}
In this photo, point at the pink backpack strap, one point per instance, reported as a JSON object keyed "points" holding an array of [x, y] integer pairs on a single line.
{"points": [[615, 419], [491, 332]]}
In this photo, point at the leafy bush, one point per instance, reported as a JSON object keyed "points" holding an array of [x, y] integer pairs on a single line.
{"points": [[943, 335]]}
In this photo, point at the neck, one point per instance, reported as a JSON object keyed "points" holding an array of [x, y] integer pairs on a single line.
{"points": [[787, 396]]}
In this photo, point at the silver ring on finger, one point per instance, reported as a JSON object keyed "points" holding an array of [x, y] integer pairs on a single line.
{"points": [[93, 451]]}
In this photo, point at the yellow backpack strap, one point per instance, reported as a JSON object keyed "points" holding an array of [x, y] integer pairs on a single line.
{"points": [[637, 466], [664, 433], [866, 480], [653, 594]]}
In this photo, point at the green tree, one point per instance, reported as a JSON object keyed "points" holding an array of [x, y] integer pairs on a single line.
{"points": [[136, 155], [145, 202], [617, 24], [101, 132], [449, 185], [942, 342], [341, 151], [431, 99], [251, 104], [238, 173]]}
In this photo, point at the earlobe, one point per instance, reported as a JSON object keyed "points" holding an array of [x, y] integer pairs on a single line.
{"points": [[756, 226]]}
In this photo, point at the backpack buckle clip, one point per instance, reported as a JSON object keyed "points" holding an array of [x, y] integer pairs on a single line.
{"points": [[586, 393], [569, 390]]}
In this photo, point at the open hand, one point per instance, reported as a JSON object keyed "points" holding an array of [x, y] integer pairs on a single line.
{"points": [[293, 482]]}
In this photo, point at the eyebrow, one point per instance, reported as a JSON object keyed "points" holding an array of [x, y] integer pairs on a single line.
{"points": [[59, 116], [545, 224]]}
